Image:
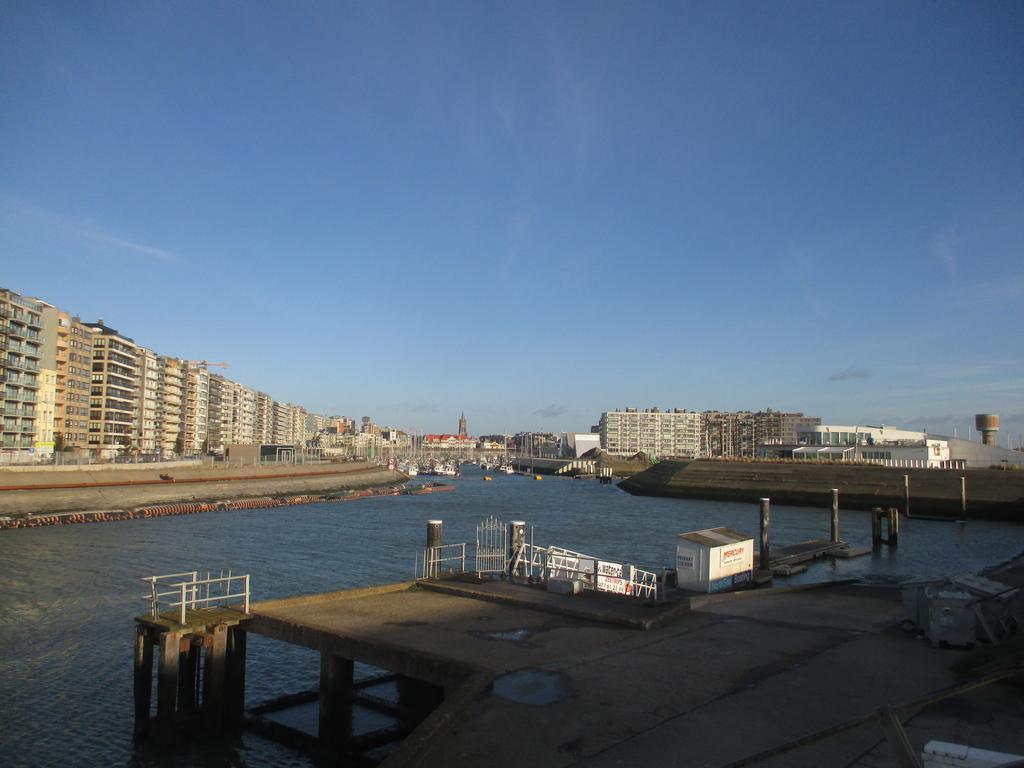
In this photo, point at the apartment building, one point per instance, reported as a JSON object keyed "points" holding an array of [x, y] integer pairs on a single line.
{"points": [[299, 434], [263, 431], [65, 372], [675, 432], [215, 414], [150, 394], [113, 401], [739, 433], [197, 407], [20, 329], [238, 414]]}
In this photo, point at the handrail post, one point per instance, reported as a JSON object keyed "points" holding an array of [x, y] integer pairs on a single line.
{"points": [[154, 600], [246, 607], [182, 587]]}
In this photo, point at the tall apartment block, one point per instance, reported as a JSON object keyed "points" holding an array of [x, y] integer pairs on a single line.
{"points": [[655, 432], [20, 327], [739, 433], [197, 404], [65, 375], [114, 401]]}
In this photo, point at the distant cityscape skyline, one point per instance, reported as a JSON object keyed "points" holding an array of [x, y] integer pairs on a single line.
{"points": [[536, 213]]}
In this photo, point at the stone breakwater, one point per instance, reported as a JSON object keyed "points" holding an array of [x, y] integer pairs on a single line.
{"points": [[195, 508], [992, 494]]}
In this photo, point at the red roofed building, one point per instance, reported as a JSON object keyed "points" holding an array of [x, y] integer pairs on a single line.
{"points": [[449, 442]]}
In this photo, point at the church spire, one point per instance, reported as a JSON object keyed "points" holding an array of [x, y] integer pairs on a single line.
{"points": [[462, 425]]}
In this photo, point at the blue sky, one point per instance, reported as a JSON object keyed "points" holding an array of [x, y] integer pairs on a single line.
{"points": [[534, 212]]}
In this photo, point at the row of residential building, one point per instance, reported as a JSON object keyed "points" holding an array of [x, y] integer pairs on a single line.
{"points": [[74, 385], [694, 434]]}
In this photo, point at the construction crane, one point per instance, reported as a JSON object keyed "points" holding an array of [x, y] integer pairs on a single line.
{"points": [[205, 363]]}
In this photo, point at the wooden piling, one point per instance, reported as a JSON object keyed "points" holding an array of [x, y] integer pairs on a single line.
{"points": [[213, 677], [894, 527], [906, 495], [234, 682], [167, 684], [834, 532], [143, 677], [963, 496], [765, 529], [876, 526], [188, 674], [336, 677]]}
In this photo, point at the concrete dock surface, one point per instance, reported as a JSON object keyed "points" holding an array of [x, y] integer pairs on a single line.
{"points": [[734, 681]]}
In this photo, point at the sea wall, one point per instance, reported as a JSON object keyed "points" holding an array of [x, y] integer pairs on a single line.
{"points": [[990, 493], [195, 508], [132, 494]]}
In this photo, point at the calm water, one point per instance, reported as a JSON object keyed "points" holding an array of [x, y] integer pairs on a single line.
{"points": [[69, 593]]}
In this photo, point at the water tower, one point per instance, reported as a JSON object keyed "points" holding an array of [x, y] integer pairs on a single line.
{"points": [[988, 425]]}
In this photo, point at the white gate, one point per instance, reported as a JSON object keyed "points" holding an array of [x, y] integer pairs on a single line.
{"points": [[491, 546]]}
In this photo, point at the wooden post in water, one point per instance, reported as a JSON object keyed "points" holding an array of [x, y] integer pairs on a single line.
{"points": [[234, 676], [963, 496], [766, 515], [894, 527], [213, 677], [188, 674], [906, 495], [167, 684], [834, 532], [335, 722], [143, 677], [876, 526]]}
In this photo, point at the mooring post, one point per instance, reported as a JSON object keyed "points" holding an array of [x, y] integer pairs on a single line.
{"points": [[213, 677], [906, 495], [876, 526], [435, 537], [963, 495], [835, 516], [894, 526], [167, 683], [766, 521], [335, 721], [143, 677], [234, 676]]}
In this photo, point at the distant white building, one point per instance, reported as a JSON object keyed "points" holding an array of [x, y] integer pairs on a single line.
{"points": [[575, 444], [890, 446]]}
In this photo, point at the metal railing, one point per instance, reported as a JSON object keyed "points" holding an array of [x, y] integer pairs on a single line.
{"points": [[526, 560], [432, 562], [183, 592]]}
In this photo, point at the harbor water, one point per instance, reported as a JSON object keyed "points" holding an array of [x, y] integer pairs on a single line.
{"points": [[70, 592]]}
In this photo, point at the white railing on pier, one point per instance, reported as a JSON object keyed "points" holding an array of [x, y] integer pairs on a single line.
{"points": [[186, 591], [442, 560], [495, 557]]}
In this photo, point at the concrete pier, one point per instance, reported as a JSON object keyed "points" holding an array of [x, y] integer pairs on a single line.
{"points": [[583, 683]]}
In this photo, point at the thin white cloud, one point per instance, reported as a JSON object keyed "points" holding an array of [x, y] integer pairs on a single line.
{"points": [[32, 215], [942, 249]]}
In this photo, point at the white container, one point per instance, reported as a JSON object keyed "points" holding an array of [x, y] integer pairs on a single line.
{"points": [[714, 560]]}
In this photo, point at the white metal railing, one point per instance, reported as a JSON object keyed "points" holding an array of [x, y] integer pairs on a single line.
{"points": [[186, 591], [494, 555], [441, 560]]}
